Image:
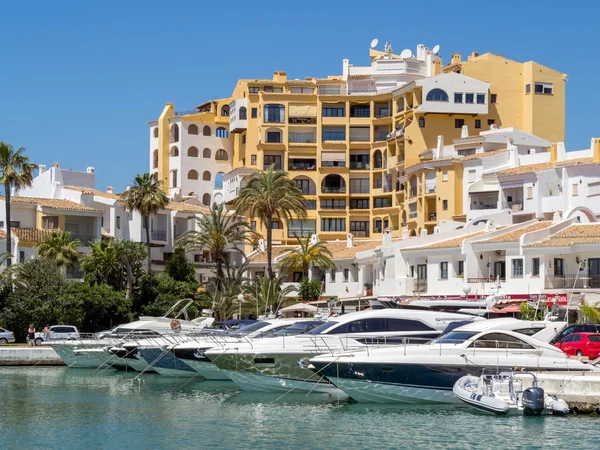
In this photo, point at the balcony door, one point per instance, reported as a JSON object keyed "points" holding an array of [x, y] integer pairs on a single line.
{"points": [[594, 272], [421, 271], [500, 270]]}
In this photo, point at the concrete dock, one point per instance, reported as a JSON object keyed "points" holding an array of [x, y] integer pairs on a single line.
{"points": [[12, 355]]}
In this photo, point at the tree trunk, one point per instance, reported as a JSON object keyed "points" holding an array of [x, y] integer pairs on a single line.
{"points": [[269, 225], [8, 230], [129, 288], [147, 222]]}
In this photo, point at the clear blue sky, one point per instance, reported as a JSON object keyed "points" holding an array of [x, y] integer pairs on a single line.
{"points": [[79, 80]]}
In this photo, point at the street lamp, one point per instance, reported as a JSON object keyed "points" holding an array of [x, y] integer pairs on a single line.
{"points": [[240, 298]]}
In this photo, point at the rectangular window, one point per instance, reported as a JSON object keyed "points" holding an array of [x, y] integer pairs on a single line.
{"points": [[477, 123], [254, 113], [301, 90], [297, 277], [382, 202], [575, 190], [197, 258], [559, 267], [458, 97], [458, 123], [593, 189], [174, 178], [471, 176], [21, 256], [445, 175], [331, 224], [469, 98], [15, 224], [274, 137], [253, 89], [253, 160], [276, 225], [118, 222], [360, 111], [491, 122], [481, 99], [332, 273], [332, 203], [445, 205], [301, 228], [444, 270], [270, 89], [50, 223], [529, 192], [334, 134], [243, 139], [333, 112], [359, 185], [303, 185], [378, 226], [272, 160], [253, 225], [543, 88], [359, 228], [467, 152], [346, 275], [274, 114], [461, 268], [517, 267], [359, 203], [535, 267], [528, 88], [493, 98]]}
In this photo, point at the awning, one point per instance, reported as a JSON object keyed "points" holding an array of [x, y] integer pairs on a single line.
{"points": [[306, 156], [305, 307], [303, 110], [512, 184], [333, 156], [483, 185]]}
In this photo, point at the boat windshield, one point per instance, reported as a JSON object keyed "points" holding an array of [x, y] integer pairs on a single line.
{"points": [[454, 337], [298, 328], [321, 328], [249, 329]]}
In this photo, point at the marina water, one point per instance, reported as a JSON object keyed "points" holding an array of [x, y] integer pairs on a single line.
{"points": [[77, 408]]}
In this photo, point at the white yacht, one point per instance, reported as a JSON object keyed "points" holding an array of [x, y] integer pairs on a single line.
{"points": [[427, 373], [278, 364]]}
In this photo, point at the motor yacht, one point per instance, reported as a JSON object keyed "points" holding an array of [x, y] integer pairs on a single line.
{"points": [[278, 364], [427, 373]]}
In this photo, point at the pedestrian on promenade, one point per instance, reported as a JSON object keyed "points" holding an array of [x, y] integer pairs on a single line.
{"points": [[45, 331], [31, 335]]}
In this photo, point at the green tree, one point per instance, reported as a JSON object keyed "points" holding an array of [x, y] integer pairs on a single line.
{"points": [[59, 247], [268, 195], [147, 197], [220, 233], [16, 172], [178, 266], [103, 265], [590, 313], [222, 293], [307, 255], [309, 290], [131, 255], [268, 293], [162, 292]]}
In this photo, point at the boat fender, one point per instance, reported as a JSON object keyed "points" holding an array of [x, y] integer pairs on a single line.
{"points": [[175, 324]]}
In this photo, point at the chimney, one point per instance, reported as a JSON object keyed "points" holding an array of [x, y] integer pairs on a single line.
{"points": [[513, 153], [387, 237], [493, 127], [350, 240], [437, 153], [436, 229], [110, 190], [423, 232], [561, 151], [464, 131], [262, 245], [42, 168], [596, 149], [345, 68], [456, 58], [473, 55], [553, 152], [55, 164], [90, 170], [437, 67], [280, 77], [490, 225]]}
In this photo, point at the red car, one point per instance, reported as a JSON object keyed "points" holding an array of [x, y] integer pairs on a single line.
{"points": [[581, 344]]}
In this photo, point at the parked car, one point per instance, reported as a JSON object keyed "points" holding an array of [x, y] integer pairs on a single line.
{"points": [[579, 328], [581, 344], [57, 332], [6, 336]]}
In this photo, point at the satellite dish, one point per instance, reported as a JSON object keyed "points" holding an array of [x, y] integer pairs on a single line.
{"points": [[406, 53], [374, 43], [436, 49]]}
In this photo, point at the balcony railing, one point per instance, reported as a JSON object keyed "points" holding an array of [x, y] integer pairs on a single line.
{"points": [[483, 206], [430, 189], [362, 233], [333, 189], [413, 215], [359, 166], [310, 204], [383, 204], [421, 285], [359, 138], [333, 163], [334, 136], [302, 165], [490, 279], [381, 135], [572, 281], [432, 217], [159, 235], [292, 232], [387, 188], [302, 121], [302, 138]]}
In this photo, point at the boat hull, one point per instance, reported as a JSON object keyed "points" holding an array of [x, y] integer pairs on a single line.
{"points": [[166, 363], [253, 382], [207, 370]]}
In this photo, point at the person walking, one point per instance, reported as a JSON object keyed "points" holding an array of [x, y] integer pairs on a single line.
{"points": [[45, 331], [31, 335]]}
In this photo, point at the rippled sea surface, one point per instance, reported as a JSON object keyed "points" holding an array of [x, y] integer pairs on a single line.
{"points": [[77, 408]]}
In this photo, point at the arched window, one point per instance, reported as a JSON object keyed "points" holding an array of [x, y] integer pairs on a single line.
{"points": [[174, 151], [219, 180], [222, 132], [192, 175], [206, 153], [155, 131], [193, 129], [206, 130], [333, 184], [206, 176], [437, 95], [155, 159], [206, 199], [221, 155], [174, 133], [421, 122], [193, 152], [377, 159], [243, 113], [225, 110]]}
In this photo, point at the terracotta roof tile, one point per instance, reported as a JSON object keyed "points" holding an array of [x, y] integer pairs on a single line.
{"points": [[575, 234], [276, 250], [87, 191], [448, 243], [515, 235], [484, 154], [186, 207], [31, 234], [340, 249], [360, 77], [52, 203], [530, 168]]}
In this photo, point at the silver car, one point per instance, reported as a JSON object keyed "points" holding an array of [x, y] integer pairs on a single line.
{"points": [[6, 337]]}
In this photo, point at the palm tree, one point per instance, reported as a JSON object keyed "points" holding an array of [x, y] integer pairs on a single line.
{"points": [[267, 293], [223, 293], [268, 195], [60, 247], [220, 233], [131, 256], [307, 255], [11, 276], [147, 197], [17, 172], [103, 265]]}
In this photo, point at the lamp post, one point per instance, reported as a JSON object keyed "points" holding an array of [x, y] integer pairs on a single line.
{"points": [[240, 298]]}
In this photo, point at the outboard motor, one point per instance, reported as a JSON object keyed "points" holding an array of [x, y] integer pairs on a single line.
{"points": [[533, 401]]}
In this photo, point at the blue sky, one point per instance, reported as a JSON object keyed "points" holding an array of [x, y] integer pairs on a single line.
{"points": [[80, 80]]}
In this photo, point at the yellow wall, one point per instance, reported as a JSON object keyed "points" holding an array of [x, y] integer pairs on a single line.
{"points": [[164, 144]]}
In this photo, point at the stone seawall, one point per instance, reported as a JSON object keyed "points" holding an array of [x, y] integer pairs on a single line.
{"points": [[29, 356]]}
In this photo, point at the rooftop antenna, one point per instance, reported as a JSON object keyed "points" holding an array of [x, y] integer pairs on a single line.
{"points": [[406, 53], [388, 48], [374, 43], [436, 49]]}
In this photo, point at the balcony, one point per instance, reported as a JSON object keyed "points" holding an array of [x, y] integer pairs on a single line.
{"points": [[332, 136], [302, 138], [311, 205], [381, 135], [359, 165], [333, 163], [333, 189], [302, 120], [293, 232], [413, 214], [430, 189], [572, 281], [302, 164], [412, 192], [490, 279], [382, 203], [332, 90], [432, 217], [420, 285], [480, 206], [158, 235]]}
